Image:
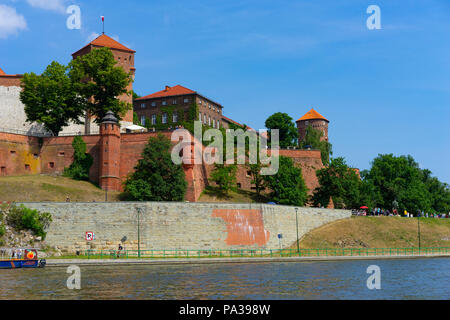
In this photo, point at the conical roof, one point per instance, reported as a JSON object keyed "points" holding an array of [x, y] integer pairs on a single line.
{"points": [[312, 115], [110, 117]]}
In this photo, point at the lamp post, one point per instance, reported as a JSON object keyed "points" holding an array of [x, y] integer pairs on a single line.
{"points": [[296, 225], [139, 231], [418, 228]]}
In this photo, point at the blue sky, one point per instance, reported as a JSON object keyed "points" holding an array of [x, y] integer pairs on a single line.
{"points": [[384, 91]]}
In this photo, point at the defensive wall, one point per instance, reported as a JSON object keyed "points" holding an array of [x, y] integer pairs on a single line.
{"points": [[193, 226]]}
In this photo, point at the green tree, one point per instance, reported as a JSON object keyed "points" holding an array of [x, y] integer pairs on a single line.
{"points": [[225, 177], [339, 182], [82, 161], [287, 129], [398, 179], [313, 138], [287, 185], [136, 119], [100, 82], [51, 98], [156, 177]]}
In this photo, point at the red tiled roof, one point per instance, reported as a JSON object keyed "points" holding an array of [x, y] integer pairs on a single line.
{"points": [[312, 115], [108, 42], [169, 92]]}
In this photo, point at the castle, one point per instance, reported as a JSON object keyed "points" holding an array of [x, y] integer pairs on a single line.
{"points": [[29, 149]]}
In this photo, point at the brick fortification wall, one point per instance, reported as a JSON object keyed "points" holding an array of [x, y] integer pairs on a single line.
{"points": [[21, 155], [180, 225]]}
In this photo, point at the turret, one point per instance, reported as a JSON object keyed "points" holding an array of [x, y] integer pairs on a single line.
{"points": [[109, 166], [314, 119]]}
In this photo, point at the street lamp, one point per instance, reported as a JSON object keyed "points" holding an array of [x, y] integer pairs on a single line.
{"points": [[139, 230], [418, 228], [296, 225]]}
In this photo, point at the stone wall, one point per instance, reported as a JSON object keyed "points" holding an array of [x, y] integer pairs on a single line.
{"points": [[180, 225]]}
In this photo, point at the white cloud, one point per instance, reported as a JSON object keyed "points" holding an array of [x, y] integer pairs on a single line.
{"points": [[53, 5], [10, 21]]}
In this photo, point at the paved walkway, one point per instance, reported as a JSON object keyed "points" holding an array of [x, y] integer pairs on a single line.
{"points": [[105, 262]]}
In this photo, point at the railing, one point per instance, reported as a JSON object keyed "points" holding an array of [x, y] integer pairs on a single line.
{"points": [[263, 253], [29, 133]]}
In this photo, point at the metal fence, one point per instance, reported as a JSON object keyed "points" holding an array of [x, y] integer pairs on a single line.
{"points": [[262, 253]]}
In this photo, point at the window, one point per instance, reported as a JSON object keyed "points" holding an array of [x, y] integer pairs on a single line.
{"points": [[153, 118], [27, 167], [306, 123], [204, 118], [175, 117], [164, 118], [200, 116], [186, 100], [142, 105], [61, 154], [174, 101], [218, 124], [51, 165], [209, 121], [153, 104], [164, 103], [13, 152], [143, 120], [239, 186]]}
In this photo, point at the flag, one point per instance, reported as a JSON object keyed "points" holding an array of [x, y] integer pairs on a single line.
{"points": [[103, 18]]}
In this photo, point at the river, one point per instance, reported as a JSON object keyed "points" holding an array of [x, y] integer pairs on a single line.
{"points": [[400, 279]]}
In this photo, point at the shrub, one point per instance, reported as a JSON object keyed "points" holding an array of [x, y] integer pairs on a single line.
{"points": [[23, 218], [2, 229], [82, 161]]}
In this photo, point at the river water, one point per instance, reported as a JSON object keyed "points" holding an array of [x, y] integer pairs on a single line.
{"points": [[400, 279]]}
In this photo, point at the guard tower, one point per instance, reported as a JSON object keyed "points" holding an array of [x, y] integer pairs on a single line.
{"points": [[125, 59], [109, 166], [314, 119]]}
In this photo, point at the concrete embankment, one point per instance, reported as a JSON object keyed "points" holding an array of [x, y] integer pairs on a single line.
{"points": [[119, 262], [182, 226]]}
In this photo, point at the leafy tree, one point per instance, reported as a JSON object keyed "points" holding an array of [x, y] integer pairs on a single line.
{"points": [[313, 138], [51, 98], [257, 178], [156, 177], [398, 179], [82, 161], [287, 129], [439, 192], [100, 82], [225, 177], [287, 185], [339, 182]]}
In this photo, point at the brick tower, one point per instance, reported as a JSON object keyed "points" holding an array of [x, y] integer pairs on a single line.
{"points": [[125, 59], [314, 119], [109, 166]]}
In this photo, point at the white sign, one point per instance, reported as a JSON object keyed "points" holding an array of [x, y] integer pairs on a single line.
{"points": [[90, 236]]}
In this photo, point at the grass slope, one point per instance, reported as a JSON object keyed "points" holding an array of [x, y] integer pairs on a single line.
{"points": [[212, 194], [379, 232], [37, 188]]}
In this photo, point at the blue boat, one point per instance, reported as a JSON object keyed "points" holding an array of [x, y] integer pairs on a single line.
{"points": [[29, 259]]}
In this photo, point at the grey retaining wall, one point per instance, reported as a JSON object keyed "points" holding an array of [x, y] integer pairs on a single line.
{"points": [[180, 225]]}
